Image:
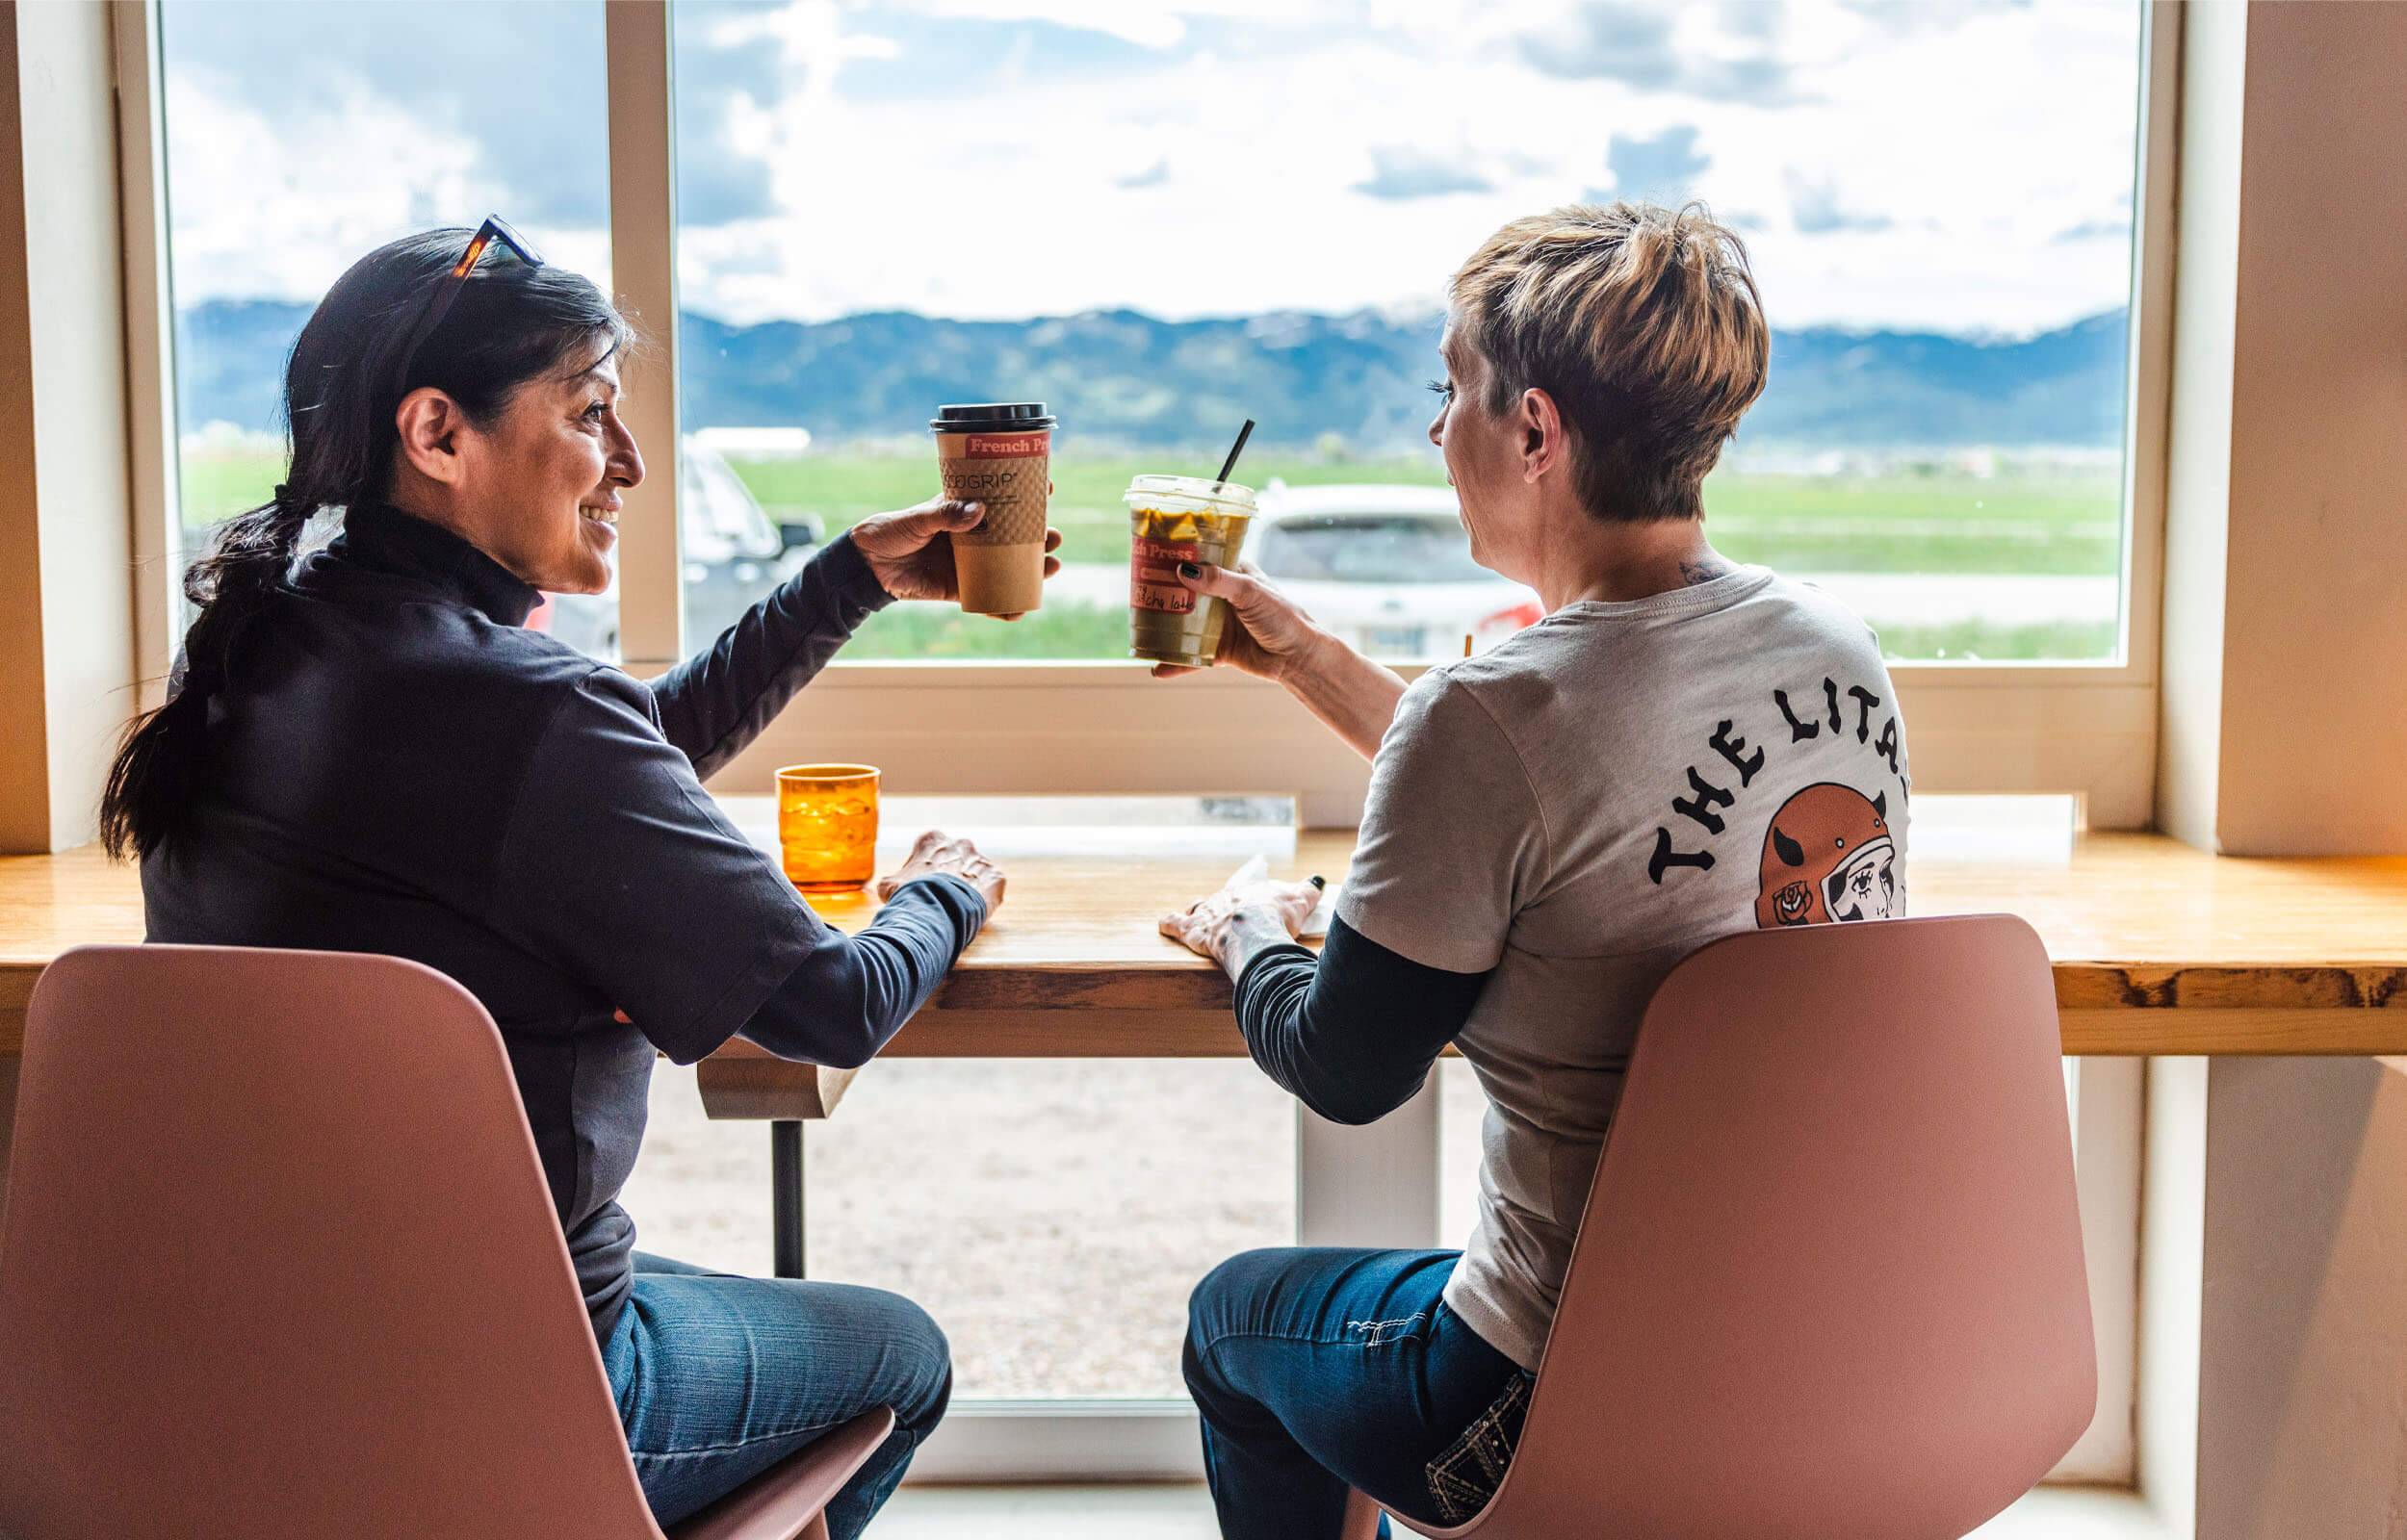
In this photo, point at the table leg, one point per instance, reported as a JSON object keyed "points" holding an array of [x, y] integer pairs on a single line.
{"points": [[785, 1195]]}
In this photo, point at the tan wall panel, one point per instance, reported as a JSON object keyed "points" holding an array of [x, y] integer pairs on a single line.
{"points": [[2303, 1429], [78, 330], [2308, 716], [24, 734], [66, 606]]}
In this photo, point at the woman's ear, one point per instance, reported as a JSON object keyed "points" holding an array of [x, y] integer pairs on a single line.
{"points": [[430, 426], [1542, 443]]}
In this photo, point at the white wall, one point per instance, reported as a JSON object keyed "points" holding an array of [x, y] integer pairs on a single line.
{"points": [[2171, 1242], [2198, 470]]}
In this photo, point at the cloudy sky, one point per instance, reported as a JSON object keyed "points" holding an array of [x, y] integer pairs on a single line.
{"points": [[1959, 164]]}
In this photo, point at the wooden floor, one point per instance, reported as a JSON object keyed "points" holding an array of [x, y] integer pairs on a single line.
{"points": [[1185, 1513]]}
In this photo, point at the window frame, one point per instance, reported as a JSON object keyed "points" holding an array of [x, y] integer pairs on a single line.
{"points": [[1103, 726], [2087, 729]]}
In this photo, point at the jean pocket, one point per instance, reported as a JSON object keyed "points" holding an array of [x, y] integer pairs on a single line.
{"points": [[1465, 1475], [1413, 1327]]}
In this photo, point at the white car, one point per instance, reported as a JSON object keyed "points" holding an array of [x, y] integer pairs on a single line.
{"points": [[734, 555], [1388, 568]]}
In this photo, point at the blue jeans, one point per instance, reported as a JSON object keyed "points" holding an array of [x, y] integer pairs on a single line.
{"points": [[718, 1377], [1318, 1369]]}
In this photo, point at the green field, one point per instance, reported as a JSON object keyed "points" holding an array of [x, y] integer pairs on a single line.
{"points": [[2026, 523], [2036, 523]]}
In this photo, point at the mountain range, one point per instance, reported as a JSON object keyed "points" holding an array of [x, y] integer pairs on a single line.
{"points": [[1124, 377]]}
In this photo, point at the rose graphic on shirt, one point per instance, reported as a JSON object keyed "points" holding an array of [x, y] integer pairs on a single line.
{"points": [[1828, 855]]}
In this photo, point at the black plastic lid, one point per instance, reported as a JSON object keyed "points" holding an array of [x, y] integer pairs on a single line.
{"points": [[992, 417]]}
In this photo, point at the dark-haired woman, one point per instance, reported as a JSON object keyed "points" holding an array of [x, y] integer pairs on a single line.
{"points": [[369, 753]]}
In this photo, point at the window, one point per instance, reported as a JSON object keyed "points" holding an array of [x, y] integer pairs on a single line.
{"points": [[1165, 223], [299, 138], [1963, 434], [1051, 1213]]}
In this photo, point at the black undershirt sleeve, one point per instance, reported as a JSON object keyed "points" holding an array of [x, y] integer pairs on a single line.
{"points": [[1352, 1032]]}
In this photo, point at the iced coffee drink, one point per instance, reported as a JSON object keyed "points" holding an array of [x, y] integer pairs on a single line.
{"points": [[1173, 518]]}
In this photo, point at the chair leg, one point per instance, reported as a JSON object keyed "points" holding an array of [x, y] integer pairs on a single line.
{"points": [[1361, 1519]]}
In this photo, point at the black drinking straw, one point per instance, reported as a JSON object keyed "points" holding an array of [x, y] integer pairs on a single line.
{"points": [[1234, 449]]}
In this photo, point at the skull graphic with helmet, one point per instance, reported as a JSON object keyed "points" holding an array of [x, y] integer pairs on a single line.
{"points": [[1828, 855]]}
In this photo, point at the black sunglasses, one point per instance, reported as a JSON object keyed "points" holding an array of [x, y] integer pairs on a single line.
{"points": [[447, 288]]}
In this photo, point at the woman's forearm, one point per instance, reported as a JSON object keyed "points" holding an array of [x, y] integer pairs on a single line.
{"points": [[718, 700], [1355, 697], [853, 992]]}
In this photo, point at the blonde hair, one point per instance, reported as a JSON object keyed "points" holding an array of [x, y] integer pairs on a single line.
{"points": [[1643, 324]]}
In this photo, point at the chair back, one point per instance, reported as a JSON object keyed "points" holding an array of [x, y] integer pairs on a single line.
{"points": [[1829, 1281], [278, 1258]]}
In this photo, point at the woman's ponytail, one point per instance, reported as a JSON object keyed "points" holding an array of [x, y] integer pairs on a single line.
{"points": [[344, 384], [159, 763]]}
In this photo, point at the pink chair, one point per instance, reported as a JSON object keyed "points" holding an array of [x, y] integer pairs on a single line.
{"points": [[1829, 1282], [278, 1261]]}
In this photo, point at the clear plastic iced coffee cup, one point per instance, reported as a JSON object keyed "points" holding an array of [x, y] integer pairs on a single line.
{"points": [[1173, 518]]}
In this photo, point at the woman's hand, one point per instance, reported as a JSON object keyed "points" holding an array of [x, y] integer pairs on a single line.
{"points": [[1272, 637], [937, 854], [1240, 919], [911, 556]]}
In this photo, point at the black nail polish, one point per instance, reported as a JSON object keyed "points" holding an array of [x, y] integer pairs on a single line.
{"points": [[1188, 569], [1321, 884]]}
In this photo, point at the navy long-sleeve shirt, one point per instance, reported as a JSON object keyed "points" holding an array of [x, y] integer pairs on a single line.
{"points": [[396, 765], [1352, 1032]]}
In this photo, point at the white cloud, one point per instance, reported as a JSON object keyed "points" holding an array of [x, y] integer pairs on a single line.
{"points": [[1147, 25], [266, 205], [1153, 175], [1979, 143], [1660, 167], [1816, 209], [1401, 171]]}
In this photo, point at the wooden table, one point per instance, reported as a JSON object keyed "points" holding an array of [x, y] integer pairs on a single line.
{"points": [[2158, 949]]}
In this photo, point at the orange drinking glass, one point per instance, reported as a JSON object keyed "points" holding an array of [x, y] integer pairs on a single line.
{"points": [[827, 825]]}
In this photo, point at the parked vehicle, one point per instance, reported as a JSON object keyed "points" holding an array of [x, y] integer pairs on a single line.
{"points": [[734, 555], [1388, 568]]}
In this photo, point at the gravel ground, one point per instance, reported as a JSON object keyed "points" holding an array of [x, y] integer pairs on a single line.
{"points": [[1051, 1215]]}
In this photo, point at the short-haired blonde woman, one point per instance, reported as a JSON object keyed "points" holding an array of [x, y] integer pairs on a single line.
{"points": [[1683, 748]]}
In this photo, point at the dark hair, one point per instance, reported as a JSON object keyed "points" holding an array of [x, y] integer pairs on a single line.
{"points": [[1643, 324], [512, 323]]}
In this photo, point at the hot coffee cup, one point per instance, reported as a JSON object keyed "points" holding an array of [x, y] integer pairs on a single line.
{"points": [[998, 453]]}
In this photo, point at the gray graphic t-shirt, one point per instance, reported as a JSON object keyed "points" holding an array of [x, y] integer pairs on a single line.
{"points": [[1582, 807]]}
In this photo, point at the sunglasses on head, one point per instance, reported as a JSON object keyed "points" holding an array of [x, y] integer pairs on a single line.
{"points": [[447, 288]]}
